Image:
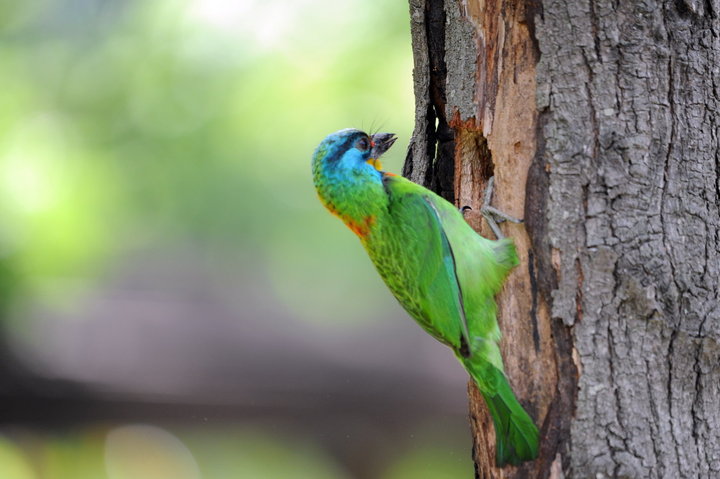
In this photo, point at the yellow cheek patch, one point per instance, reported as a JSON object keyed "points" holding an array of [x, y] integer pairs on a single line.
{"points": [[375, 162]]}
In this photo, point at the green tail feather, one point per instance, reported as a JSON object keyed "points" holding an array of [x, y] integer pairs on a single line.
{"points": [[505, 255], [515, 432]]}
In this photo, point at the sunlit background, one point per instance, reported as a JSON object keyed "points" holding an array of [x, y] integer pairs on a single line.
{"points": [[175, 303]]}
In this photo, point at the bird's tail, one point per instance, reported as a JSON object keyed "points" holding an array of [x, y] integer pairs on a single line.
{"points": [[505, 255], [516, 434]]}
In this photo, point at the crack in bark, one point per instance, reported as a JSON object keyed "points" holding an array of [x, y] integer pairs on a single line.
{"points": [[697, 396], [534, 296], [656, 419], [435, 168], [670, 356]]}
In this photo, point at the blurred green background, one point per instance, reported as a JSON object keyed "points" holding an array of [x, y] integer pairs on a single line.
{"points": [[175, 303]]}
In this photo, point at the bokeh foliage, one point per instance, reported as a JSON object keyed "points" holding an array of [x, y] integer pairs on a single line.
{"points": [[138, 125], [188, 125]]}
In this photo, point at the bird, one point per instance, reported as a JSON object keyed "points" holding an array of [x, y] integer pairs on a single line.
{"points": [[440, 270]]}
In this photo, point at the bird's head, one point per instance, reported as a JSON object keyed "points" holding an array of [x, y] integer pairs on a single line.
{"points": [[351, 154]]}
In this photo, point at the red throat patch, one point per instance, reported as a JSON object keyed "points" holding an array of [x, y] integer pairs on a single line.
{"points": [[360, 228]]}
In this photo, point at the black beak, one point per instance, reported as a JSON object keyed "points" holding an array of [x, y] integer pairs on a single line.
{"points": [[381, 143]]}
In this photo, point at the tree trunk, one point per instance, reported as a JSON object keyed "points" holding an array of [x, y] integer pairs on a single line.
{"points": [[598, 120]]}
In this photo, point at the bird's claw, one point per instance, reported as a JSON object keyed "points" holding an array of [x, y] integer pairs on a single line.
{"points": [[492, 215]]}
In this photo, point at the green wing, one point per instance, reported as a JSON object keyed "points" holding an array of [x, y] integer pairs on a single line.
{"points": [[454, 272], [447, 275], [415, 258]]}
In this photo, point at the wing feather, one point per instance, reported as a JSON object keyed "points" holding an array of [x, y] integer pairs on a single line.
{"points": [[428, 266], [451, 269]]}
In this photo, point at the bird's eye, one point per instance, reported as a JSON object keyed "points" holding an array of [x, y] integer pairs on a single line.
{"points": [[363, 144]]}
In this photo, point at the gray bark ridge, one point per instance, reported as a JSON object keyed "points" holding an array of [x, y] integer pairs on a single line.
{"points": [[628, 98]]}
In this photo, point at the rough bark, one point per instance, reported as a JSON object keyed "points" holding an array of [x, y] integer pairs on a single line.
{"points": [[598, 120]]}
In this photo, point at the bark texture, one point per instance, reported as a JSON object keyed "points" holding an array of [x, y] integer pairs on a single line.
{"points": [[599, 121]]}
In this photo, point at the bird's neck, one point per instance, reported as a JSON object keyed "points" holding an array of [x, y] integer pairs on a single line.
{"points": [[357, 200]]}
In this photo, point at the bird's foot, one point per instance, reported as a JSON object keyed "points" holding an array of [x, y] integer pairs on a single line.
{"points": [[493, 216]]}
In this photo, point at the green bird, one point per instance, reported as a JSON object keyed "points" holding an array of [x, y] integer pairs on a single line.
{"points": [[443, 273]]}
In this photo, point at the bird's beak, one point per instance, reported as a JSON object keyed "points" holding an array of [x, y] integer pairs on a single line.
{"points": [[381, 142]]}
